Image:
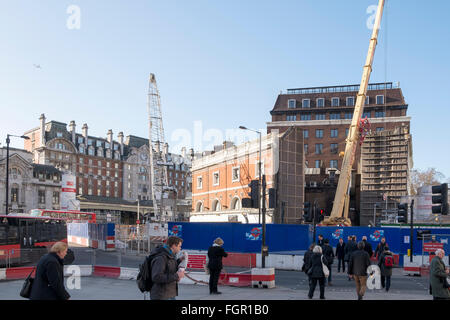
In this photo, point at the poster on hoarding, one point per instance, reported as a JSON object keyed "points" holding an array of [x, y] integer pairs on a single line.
{"points": [[68, 199]]}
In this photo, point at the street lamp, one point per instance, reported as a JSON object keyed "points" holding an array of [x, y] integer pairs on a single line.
{"points": [[261, 187], [7, 167]]}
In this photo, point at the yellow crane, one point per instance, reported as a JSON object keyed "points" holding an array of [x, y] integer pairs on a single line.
{"points": [[339, 213]]}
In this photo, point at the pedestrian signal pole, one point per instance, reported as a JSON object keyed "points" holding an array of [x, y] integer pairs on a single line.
{"points": [[411, 233]]}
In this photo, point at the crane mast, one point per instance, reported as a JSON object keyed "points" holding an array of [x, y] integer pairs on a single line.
{"points": [[338, 214], [157, 147]]}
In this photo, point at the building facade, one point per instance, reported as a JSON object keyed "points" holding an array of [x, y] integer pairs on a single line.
{"points": [[220, 179], [324, 115]]}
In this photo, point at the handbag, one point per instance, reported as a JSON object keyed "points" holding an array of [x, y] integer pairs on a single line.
{"points": [[326, 272], [25, 292]]}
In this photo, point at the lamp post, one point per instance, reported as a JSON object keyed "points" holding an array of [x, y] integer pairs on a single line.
{"points": [[138, 222], [259, 171], [7, 167], [262, 195]]}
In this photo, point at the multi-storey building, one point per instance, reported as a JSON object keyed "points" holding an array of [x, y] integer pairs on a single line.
{"points": [[324, 114], [221, 178]]}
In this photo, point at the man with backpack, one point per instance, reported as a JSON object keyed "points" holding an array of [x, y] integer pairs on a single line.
{"points": [[386, 263], [160, 273]]}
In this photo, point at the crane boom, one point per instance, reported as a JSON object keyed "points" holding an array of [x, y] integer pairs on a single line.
{"points": [[340, 198]]}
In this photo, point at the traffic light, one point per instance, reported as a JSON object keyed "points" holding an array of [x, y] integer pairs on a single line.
{"points": [[307, 211], [253, 201], [320, 215], [441, 198], [402, 212]]}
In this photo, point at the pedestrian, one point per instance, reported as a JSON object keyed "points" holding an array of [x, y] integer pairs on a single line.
{"points": [[340, 254], [380, 248], [367, 246], [165, 272], [48, 283], [329, 257], [386, 268], [315, 271], [357, 269], [307, 257], [215, 255], [320, 241], [438, 277], [350, 247]]}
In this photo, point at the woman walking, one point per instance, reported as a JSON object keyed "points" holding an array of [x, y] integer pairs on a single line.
{"points": [[315, 272], [215, 255]]}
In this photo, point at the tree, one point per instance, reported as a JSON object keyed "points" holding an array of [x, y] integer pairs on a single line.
{"points": [[428, 177]]}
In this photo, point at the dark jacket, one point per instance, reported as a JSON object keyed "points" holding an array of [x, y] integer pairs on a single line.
{"points": [[437, 278], [316, 264], [215, 255], [368, 248], [49, 281], [380, 249], [358, 263], [350, 247], [306, 260], [385, 271], [164, 274], [340, 251], [328, 254]]}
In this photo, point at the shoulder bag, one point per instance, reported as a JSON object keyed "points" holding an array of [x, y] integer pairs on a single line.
{"points": [[27, 285], [326, 272]]}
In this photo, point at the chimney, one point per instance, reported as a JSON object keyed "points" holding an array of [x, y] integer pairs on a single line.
{"points": [[120, 136], [110, 139], [72, 127], [166, 148], [183, 152], [84, 131], [42, 118]]}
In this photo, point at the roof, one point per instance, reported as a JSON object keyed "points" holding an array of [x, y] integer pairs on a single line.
{"points": [[111, 200]]}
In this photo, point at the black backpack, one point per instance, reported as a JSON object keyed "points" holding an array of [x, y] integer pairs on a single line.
{"points": [[144, 277]]}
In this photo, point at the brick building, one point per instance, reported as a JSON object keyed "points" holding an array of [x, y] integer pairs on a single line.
{"points": [[324, 115]]}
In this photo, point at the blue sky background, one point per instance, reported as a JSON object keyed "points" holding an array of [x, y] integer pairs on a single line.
{"points": [[219, 62]]}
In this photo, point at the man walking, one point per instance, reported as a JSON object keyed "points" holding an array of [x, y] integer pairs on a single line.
{"points": [[438, 277], [350, 247], [340, 254], [165, 273], [380, 248], [329, 257], [357, 269], [367, 246]]}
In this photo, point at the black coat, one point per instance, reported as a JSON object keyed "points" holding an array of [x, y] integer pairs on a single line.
{"points": [[164, 274], [340, 251], [358, 263], [49, 281], [328, 254], [350, 247], [316, 264], [306, 260], [368, 248], [215, 255], [380, 249]]}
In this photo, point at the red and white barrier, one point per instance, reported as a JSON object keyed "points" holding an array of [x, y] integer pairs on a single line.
{"points": [[263, 277], [2, 274], [110, 243]]}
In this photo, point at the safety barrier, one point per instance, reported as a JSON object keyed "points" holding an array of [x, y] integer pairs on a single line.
{"points": [[92, 235]]}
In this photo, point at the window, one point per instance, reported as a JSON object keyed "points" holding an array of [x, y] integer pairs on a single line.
{"points": [[317, 163], [319, 133], [319, 148], [291, 103], [335, 102], [334, 133], [380, 114], [91, 151], [81, 149], [348, 116], [235, 174], [367, 101], [14, 194], [216, 179], [305, 148], [366, 114], [346, 132], [41, 196], [320, 116], [333, 164], [291, 118], [55, 199], [98, 143], [320, 102], [199, 183], [80, 140], [334, 148], [90, 142], [305, 134], [379, 129], [380, 99], [81, 160], [59, 134], [335, 116], [350, 101], [306, 103], [305, 117]]}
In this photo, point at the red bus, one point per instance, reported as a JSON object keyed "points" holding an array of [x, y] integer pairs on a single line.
{"points": [[69, 215], [23, 238]]}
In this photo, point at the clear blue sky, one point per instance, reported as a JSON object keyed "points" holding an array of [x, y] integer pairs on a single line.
{"points": [[219, 62]]}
